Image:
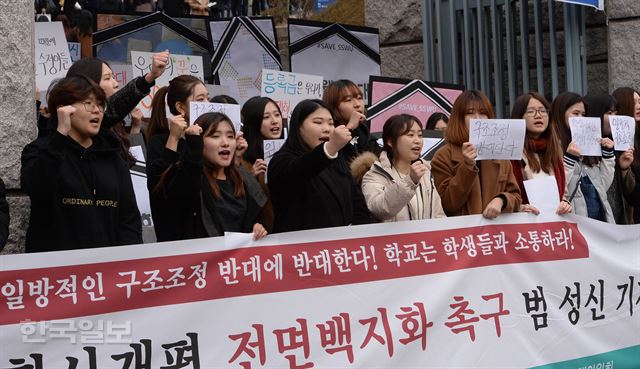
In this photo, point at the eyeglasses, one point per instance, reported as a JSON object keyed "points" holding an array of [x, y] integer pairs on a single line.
{"points": [[89, 106], [532, 112]]}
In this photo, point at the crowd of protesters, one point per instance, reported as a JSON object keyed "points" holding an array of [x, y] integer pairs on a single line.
{"points": [[206, 179]]}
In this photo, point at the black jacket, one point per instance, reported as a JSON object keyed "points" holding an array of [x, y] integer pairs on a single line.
{"points": [[183, 206], [362, 141], [4, 216], [80, 198], [313, 191]]}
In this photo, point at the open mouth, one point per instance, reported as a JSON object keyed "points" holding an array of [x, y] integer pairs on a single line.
{"points": [[224, 154], [324, 139], [275, 130], [95, 121]]}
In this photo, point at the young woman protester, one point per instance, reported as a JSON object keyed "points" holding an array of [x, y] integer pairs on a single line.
{"points": [[399, 186], [589, 177], [629, 161], [262, 121], [602, 106], [309, 180], [165, 149], [79, 185], [466, 186], [208, 194], [346, 103], [542, 154], [437, 122]]}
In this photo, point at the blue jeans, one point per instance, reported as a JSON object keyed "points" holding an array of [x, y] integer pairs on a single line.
{"points": [[592, 199]]}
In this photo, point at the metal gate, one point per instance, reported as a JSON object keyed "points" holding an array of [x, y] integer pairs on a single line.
{"points": [[505, 47]]}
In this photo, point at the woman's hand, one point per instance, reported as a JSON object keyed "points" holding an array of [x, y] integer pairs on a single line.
{"points": [[64, 119], [494, 208], [606, 143], [528, 208], [417, 170], [258, 231], [625, 160], [470, 154], [338, 139], [194, 130], [260, 166], [159, 62], [573, 149], [564, 207], [136, 121]]}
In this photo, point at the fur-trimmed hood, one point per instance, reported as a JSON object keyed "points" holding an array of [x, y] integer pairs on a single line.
{"points": [[361, 165]]}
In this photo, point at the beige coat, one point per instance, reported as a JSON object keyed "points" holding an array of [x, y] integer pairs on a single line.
{"points": [[467, 191], [391, 197]]}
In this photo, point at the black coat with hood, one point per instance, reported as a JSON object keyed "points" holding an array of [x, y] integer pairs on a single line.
{"points": [[183, 206], [80, 197]]}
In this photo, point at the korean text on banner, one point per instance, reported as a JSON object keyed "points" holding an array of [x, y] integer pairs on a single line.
{"points": [[52, 53], [501, 139], [141, 63], [384, 295], [288, 89]]}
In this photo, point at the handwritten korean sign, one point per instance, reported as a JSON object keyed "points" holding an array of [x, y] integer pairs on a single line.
{"points": [[52, 56], [196, 109], [623, 129], [587, 134], [500, 139], [141, 63], [288, 89]]}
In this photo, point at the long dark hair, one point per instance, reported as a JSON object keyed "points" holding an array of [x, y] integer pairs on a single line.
{"points": [[179, 90], [209, 123], [294, 142], [434, 119], [394, 127], [252, 113], [597, 105], [547, 160], [627, 106]]}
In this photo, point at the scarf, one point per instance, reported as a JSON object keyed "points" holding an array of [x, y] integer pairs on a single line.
{"points": [[540, 145]]}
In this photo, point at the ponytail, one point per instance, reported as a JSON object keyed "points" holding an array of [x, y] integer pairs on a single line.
{"points": [[158, 120]]}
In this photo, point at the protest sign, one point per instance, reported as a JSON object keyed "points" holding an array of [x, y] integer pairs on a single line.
{"points": [[393, 96], [334, 51], [515, 292], [500, 139], [270, 148], [623, 130], [541, 195], [52, 59], [232, 111], [587, 134], [177, 65], [242, 48], [288, 89]]}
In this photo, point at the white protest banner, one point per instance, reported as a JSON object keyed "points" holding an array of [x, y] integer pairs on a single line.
{"points": [[141, 63], [501, 139], [623, 129], [52, 53], [519, 291], [74, 51], [540, 194], [334, 51], [197, 108], [288, 89], [587, 134]]}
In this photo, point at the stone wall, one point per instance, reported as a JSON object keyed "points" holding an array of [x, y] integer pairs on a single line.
{"points": [[17, 108], [624, 48]]}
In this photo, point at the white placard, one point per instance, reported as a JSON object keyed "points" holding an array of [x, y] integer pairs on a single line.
{"points": [[288, 89], [587, 134], [499, 139], [141, 63], [271, 147], [623, 129], [197, 108], [52, 58], [542, 193]]}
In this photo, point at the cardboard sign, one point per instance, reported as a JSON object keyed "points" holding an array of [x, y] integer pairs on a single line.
{"points": [[52, 58], [499, 139], [288, 89]]}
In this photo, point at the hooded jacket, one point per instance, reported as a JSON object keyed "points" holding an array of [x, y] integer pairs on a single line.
{"points": [[183, 205], [390, 196], [80, 197]]}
